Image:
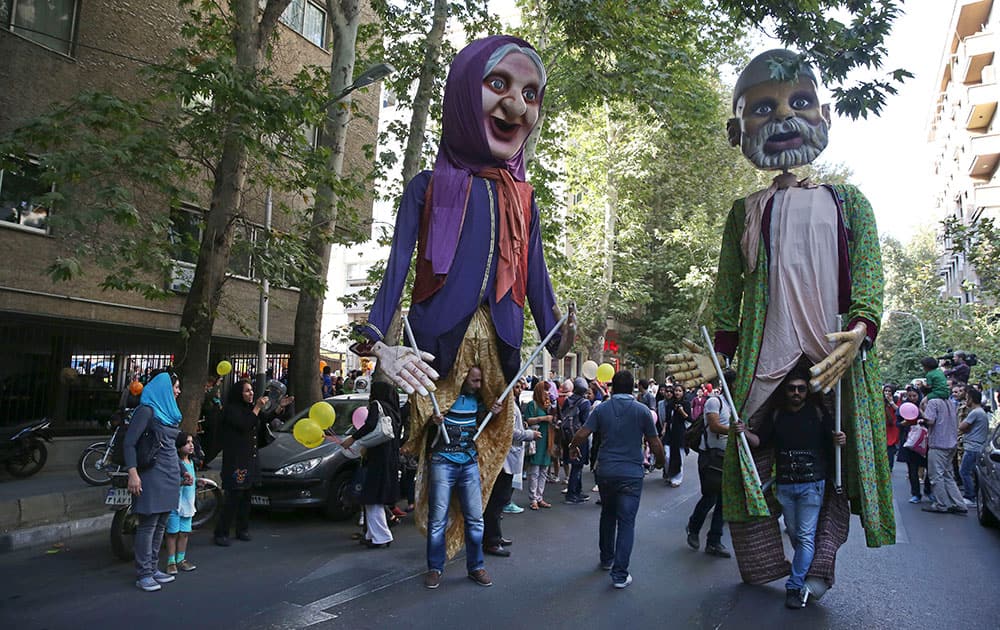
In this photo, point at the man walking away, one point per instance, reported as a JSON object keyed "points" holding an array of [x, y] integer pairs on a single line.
{"points": [[941, 420], [713, 449], [975, 427], [574, 417], [621, 423]]}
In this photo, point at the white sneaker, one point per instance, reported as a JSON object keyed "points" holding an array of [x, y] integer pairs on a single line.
{"points": [[595, 489], [628, 580], [970, 503]]}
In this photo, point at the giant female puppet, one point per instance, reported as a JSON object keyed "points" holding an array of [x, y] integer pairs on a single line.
{"points": [[795, 256], [475, 225]]}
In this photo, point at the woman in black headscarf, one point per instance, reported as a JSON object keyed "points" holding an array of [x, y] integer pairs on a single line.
{"points": [[240, 469], [381, 484]]}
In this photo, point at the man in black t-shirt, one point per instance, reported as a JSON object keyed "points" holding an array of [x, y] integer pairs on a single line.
{"points": [[800, 432]]}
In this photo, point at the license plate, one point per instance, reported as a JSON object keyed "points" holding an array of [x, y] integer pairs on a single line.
{"points": [[256, 499], [118, 496]]}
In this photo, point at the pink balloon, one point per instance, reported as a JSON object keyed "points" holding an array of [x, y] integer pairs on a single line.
{"points": [[908, 411], [359, 416]]}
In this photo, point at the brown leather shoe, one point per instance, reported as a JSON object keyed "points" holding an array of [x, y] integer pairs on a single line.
{"points": [[432, 579], [481, 577]]}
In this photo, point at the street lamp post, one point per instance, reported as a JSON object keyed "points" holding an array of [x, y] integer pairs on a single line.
{"points": [[366, 78], [923, 339]]}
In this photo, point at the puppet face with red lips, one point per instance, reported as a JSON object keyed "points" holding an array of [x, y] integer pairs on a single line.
{"points": [[511, 100]]}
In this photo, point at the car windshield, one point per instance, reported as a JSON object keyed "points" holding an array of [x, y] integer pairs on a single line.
{"points": [[342, 407]]}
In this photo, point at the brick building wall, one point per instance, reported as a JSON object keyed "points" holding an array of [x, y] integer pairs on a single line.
{"points": [[34, 77]]}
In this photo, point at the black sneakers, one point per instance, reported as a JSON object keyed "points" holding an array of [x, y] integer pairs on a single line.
{"points": [[718, 550], [794, 599], [692, 539]]}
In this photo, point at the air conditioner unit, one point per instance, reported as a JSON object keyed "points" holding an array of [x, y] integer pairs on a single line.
{"points": [[181, 277]]}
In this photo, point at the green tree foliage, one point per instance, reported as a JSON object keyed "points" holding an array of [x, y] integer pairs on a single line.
{"points": [[913, 286], [835, 48]]}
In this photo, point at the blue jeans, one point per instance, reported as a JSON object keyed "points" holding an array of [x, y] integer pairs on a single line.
{"points": [[966, 469], [800, 505], [575, 488], [619, 505], [464, 478]]}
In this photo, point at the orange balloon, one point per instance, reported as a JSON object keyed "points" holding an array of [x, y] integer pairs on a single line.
{"points": [[322, 365], [135, 388]]}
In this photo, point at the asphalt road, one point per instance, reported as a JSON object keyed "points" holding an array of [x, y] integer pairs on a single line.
{"points": [[303, 571]]}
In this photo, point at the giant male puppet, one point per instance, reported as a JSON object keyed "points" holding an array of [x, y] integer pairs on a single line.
{"points": [[795, 256], [475, 226]]}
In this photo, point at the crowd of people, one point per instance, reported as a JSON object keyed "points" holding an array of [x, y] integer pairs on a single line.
{"points": [[949, 419], [557, 434]]}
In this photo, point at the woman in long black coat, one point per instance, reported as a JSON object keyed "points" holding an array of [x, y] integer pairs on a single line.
{"points": [[240, 468], [381, 485], [678, 411]]}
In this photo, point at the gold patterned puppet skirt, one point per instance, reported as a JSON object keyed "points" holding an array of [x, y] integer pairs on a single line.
{"points": [[478, 349]]}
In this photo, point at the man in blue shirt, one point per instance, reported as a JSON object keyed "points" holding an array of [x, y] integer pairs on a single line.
{"points": [[454, 465], [621, 425]]}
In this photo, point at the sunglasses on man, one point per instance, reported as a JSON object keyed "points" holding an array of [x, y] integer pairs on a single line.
{"points": [[797, 388]]}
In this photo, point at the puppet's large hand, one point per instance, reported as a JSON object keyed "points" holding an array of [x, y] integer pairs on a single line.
{"points": [[405, 368], [692, 368], [568, 331], [827, 372]]}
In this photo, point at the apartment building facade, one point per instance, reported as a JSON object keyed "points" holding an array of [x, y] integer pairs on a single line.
{"points": [[68, 349], [965, 131]]}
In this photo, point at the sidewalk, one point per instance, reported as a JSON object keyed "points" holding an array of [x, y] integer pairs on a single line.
{"points": [[52, 506]]}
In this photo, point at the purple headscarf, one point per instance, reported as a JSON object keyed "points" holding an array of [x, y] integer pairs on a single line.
{"points": [[464, 148]]}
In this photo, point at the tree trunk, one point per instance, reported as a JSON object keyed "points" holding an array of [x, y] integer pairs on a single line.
{"points": [[425, 86], [600, 312], [201, 305], [418, 121], [303, 366]]}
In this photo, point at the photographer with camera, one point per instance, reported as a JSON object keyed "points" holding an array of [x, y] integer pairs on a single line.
{"points": [[960, 372]]}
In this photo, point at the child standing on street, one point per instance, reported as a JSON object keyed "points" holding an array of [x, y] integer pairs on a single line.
{"points": [[179, 521]]}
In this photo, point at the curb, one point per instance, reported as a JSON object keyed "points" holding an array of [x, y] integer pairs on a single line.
{"points": [[55, 532]]}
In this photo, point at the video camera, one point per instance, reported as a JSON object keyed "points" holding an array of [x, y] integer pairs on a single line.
{"points": [[970, 359]]}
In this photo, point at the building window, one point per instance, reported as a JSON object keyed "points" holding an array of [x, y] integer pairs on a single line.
{"points": [[186, 230], [20, 198], [307, 19], [51, 23]]}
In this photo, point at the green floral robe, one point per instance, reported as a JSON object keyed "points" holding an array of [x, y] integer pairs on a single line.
{"points": [[740, 306]]}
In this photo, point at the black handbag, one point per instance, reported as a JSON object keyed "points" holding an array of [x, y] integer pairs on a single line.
{"points": [[357, 485], [146, 448]]}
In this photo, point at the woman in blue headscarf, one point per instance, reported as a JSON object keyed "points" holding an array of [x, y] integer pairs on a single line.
{"points": [[156, 489]]}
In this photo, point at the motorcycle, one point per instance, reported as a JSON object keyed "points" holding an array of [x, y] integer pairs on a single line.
{"points": [[97, 461], [22, 448], [207, 503]]}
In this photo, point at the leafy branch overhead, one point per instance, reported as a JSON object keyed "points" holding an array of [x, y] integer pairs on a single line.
{"points": [[835, 48]]}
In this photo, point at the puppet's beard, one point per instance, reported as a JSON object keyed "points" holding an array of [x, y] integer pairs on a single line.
{"points": [[814, 139]]}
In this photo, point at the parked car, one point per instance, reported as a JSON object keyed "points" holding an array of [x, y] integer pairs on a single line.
{"points": [[988, 477], [293, 476]]}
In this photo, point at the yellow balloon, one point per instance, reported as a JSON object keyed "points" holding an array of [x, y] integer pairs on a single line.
{"points": [[605, 372], [308, 433], [223, 368], [323, 415]]}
